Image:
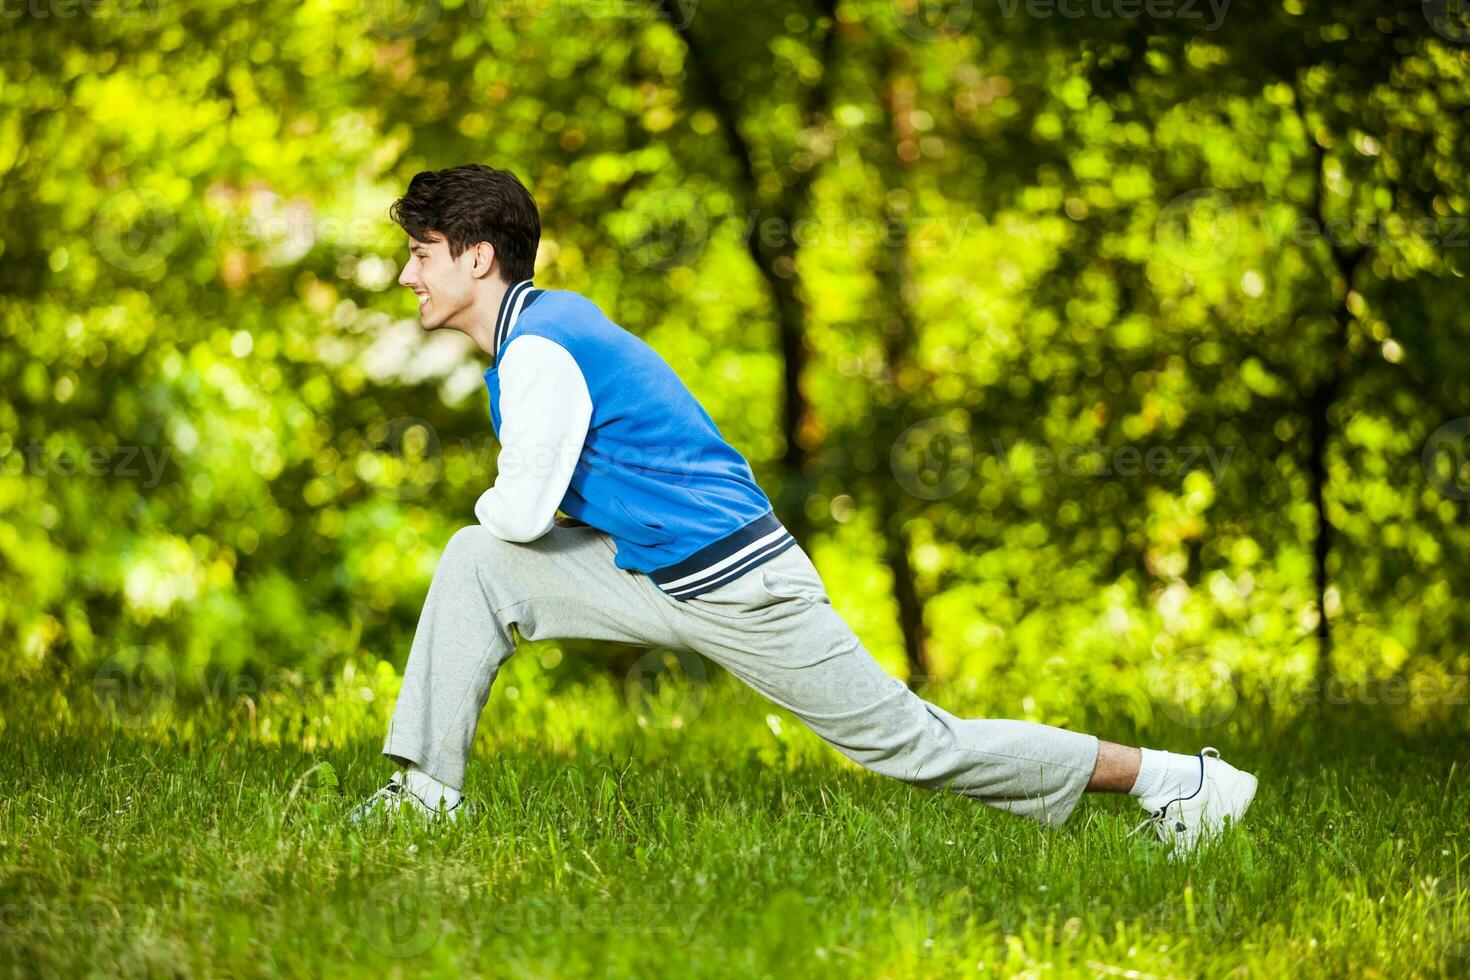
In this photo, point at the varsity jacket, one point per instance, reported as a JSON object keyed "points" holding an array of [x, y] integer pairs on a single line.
{"points": [[592, 421]]}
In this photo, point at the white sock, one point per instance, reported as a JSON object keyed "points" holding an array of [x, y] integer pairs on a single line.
{"points": [[1170, 773], [429, 789]]}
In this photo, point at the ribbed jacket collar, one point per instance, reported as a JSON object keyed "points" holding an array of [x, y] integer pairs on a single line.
{"points": [[516, 299]]}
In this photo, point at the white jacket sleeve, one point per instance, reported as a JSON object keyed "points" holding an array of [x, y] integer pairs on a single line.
{"points": [[545, 410]]}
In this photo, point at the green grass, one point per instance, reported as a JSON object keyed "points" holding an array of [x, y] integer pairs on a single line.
{"points": [[732, 845]]}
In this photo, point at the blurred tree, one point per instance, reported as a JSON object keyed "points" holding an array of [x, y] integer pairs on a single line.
{"points": [[776, 198], [1077, 348]]}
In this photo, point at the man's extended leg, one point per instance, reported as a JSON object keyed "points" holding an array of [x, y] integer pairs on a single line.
{"points": [[562, 585], [775, 629]]}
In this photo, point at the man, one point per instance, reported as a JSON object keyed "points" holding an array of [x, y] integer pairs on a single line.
{"points": [[671, 543]]}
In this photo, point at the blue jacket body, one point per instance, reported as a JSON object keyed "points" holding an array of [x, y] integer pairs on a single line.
{"points": [[679, 502]]}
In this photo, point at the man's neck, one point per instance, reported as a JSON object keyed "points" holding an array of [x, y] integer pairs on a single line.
{"points": [[483, 316]]}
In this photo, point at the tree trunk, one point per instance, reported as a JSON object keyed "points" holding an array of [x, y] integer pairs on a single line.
{"points": [[776, 262], [897, 325], [1320, 397]]}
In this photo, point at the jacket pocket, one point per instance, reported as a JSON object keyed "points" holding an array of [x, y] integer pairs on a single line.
{"points": [[641, 528]]}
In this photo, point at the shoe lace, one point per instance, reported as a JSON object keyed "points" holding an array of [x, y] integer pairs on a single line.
{"points": [[1159, 819], [396, 792], [1156, 821]]}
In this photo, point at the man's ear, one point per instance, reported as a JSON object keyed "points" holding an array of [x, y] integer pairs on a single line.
{"points": [[483, 260]]}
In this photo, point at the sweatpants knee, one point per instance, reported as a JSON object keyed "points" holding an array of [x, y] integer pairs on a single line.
{"points": [[470, 547], [907, 740]]}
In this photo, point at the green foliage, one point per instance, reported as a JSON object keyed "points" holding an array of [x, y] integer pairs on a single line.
{"points": [[1063, 244]]}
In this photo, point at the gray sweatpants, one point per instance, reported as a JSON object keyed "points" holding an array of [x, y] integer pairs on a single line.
{"points": [[773, 628]]}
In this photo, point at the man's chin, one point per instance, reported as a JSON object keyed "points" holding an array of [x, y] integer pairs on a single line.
{"points": [[430, 320]]}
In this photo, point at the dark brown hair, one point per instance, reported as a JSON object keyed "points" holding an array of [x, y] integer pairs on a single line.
{"points": [[470, 204]]}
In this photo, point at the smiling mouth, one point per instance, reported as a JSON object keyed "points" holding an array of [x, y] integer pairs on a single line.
{"points": [[423, 300]]}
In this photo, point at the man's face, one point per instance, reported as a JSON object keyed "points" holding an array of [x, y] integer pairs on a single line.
{"points": [[444, 285]]}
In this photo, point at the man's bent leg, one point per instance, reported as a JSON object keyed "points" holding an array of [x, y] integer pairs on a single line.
{"points": [[775, 629], [562, 585]]}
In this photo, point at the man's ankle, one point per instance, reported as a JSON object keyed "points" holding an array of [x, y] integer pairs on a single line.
{"points": [[432, 791], [1116, 768], [1166, 774]]}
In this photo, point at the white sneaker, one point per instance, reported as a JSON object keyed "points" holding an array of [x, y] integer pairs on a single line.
{"points": [[1220, 800], [396, 798]]}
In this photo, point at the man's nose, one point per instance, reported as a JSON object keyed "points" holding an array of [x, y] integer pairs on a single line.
{"points": [[404, 277]]}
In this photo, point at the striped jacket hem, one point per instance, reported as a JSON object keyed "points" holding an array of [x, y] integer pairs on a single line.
{"points": [[726, 559]]}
